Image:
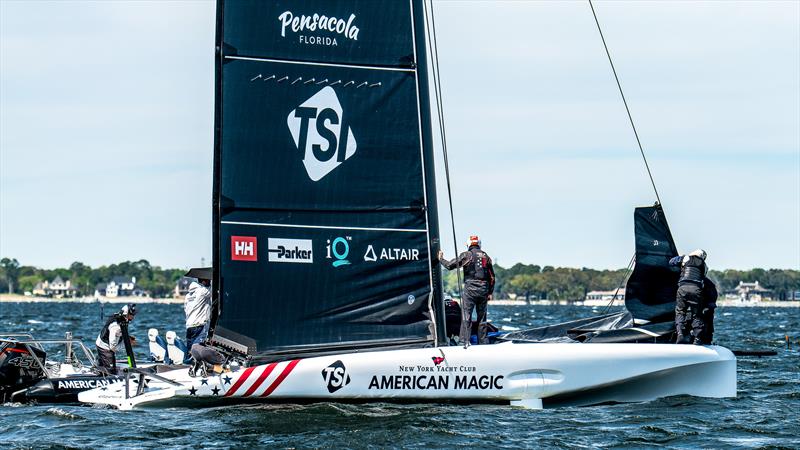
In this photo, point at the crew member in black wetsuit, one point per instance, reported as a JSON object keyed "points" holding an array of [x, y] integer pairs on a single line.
{"points": [[111, 335], [690, 318], [478, 287], [709, 304]]}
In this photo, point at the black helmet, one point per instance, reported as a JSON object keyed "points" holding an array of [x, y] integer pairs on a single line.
{"points": [[129, 309]]}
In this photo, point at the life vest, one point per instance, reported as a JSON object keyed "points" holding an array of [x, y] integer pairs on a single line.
{"points": [[104, 333], [476, 268], [693, 270]]}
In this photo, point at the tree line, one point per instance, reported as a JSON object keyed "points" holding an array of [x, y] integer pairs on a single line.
{"points": [[158, 282], [529, 281]]}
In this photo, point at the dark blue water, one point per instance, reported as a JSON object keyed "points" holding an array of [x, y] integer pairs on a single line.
{"points": [[766, 413]]}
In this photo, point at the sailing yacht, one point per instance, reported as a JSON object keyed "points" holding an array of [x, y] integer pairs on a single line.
{"points": [[325, 229]]}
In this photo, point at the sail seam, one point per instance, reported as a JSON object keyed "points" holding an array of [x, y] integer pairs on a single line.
{"points": [[311, 63], [324, 227]]}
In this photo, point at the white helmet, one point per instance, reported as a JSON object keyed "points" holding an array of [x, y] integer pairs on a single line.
{"points": [[700, 253]]}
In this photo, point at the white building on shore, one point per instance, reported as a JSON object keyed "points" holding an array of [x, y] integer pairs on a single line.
{"points": [[606, 296], [58, 288]]}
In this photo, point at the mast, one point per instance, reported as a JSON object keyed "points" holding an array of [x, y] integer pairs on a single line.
{"points": [[426, 129]]}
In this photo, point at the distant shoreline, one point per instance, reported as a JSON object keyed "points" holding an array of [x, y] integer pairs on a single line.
{"points": [[596, 303], [16, 298]]}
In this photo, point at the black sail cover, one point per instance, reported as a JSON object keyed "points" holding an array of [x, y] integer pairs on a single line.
{"points": [[324, 207], [651, 287]]}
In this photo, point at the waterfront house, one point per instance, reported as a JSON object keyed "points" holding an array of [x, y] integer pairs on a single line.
{"points": [[606, 295], [58, 288], [121, 287], [100, 289], [182, 287], [750, 292]]}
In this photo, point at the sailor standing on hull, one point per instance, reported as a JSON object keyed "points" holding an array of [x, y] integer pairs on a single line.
{"points": [[478, 287], [198, 306], [110, 336], [689, 302]]}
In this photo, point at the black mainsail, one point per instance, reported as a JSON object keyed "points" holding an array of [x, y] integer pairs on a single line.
{"points": [[324, 207]]}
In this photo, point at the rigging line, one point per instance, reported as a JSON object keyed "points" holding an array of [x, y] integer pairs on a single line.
{"points": [[627, 274], [619, 86], [433, 48]]}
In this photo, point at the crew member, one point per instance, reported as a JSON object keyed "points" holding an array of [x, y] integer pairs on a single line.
{"points": [[111, 335], [478, 287], [205, 356], [689, 302], [707, 308], [198, 306]]}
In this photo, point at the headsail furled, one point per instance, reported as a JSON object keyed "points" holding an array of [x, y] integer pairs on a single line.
{"points": [[325, 216]]}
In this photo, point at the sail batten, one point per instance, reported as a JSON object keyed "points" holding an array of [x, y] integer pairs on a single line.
{"points": [[324, 64], [324, 227]]}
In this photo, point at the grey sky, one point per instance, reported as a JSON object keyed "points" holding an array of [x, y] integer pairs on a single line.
{"points": [[106, 137]]}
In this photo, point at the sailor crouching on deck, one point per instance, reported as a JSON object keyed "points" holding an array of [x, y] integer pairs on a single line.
{"points": [[690, 305], [197, 307], [478, 287], [111, 335]]}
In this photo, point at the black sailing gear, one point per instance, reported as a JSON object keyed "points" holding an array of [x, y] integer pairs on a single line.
{"points": [[687, 310], [695, 301], [693, 269], [478, 286], [114, 330], [704, 328]]}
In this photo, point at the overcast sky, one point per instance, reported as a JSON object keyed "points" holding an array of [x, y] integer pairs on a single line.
{"points": [[106, 129]]}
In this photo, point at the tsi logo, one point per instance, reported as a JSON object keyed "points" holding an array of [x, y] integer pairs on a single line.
{"points": [[321, 133], [290, 250], [335, 376], [340, 250], [244, 248]]}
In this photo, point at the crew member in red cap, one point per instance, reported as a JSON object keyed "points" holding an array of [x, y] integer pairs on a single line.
{"points": [[478, 287]]}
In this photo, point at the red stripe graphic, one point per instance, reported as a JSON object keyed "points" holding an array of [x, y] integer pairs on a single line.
{"points": [[240, 381], [281, 377], [15, 350], [260, 379]]}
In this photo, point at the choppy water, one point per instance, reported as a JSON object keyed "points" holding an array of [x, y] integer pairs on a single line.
{"points": [[766, 413]]}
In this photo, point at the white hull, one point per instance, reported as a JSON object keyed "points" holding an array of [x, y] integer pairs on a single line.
{"points": [[530, 375]]}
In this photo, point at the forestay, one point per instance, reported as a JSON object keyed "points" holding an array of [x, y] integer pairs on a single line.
{"points": [[325, 215]]}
